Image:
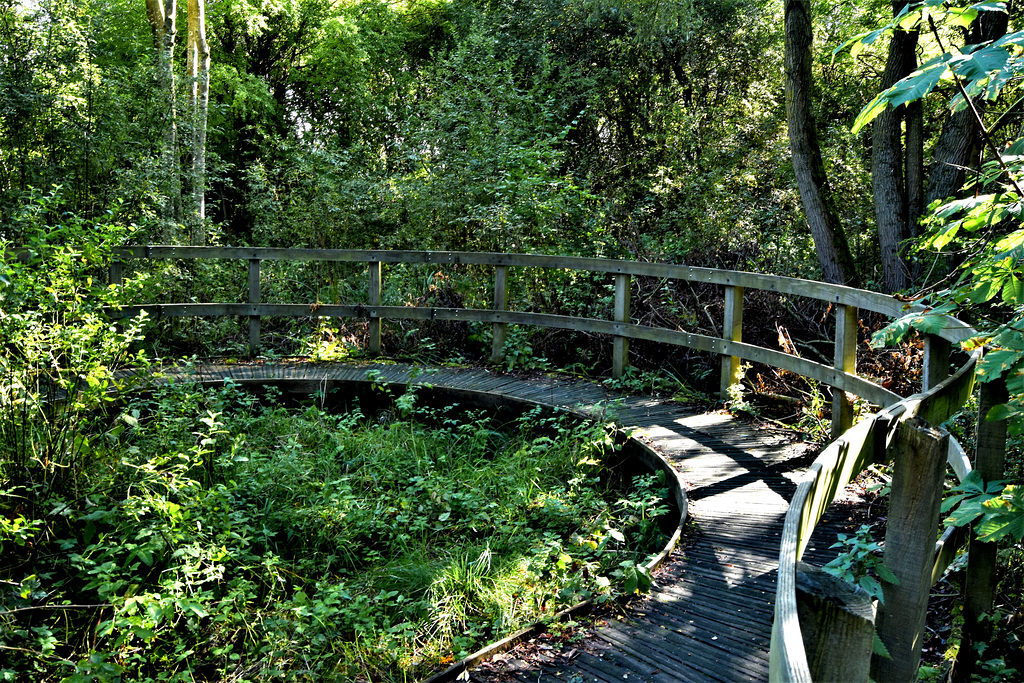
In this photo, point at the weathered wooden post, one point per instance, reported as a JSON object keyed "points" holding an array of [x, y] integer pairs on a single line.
{"points": [[116, 273], [936, 361], [838, 625], [254, 298], [732, 330], [373, 299], [845, 361], [918, 470], [980, 583], [620, 345], [500, 304]]}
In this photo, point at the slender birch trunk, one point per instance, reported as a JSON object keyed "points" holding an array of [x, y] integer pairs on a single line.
{"points": [[162, 15], [198, 107]]}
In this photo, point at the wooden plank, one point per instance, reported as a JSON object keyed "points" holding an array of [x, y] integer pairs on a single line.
{"points": [[935, 367], [916, 496], [373, 301], [254, 298], [980, 582], [837, 621], [956, 331], [732, 331], [500, 304], [620, 344], [846, 362], [817, 371]]}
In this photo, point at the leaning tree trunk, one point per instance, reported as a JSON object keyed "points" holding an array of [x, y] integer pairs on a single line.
{"points": [[829, 237], [198, 106], [887, 166]]}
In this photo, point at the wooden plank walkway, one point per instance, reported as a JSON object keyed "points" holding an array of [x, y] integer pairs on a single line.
{"points": [[709, 615]]}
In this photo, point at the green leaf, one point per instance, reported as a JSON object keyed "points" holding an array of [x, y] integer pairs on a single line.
{"points": [[1002, 411], [1013, 291], [886, 574], [994, 364], [962, 17], [878, 647]]}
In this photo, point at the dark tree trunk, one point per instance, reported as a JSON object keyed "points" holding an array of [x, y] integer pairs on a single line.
{"points": [[888, 172], [958, 143], [829, 237]]}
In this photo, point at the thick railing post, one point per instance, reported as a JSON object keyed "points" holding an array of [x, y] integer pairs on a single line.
{"points": [[620, 345], [980, 583], [500, 304], [373, 299], [918, 471], [837, 621], [732, 330], [936, 361], [254, 298], [845, 361]]}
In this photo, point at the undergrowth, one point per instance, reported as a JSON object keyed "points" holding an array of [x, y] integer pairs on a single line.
{"points": [[213, 536]]}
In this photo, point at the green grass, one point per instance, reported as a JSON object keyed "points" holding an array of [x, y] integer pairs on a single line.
{"points": [[217, 537]]}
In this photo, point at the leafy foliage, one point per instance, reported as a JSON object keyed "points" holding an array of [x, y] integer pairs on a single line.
{"points": [[219, 536], [859, 562]]}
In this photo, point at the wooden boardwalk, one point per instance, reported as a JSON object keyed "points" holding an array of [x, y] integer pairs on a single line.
{"points": [[709, 615]]}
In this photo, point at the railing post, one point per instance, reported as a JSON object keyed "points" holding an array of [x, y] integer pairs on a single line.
{"points": [[837, 621], [732, 330], [254, 298], [116, 275], [918, 470], [936, 361], [980, 583], [620, 345], [500, 304], [373, 299], [845, 361]]}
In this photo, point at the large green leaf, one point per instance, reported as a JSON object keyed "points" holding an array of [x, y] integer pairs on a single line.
{"points": [[913, 87], [995, 363]]}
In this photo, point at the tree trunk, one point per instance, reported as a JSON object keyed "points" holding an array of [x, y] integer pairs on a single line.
{"points": [[887, 165], [959, 142], [829, 237], [162, 15], [198, 106]]}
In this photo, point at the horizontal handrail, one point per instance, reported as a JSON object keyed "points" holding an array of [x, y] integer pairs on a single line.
{"points": [[822, 291]]}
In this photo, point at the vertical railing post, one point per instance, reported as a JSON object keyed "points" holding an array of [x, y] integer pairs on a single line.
{"points": [[837, 621], [732, 330], [254, 298], [620, 345], [980, 582], [936, 361], [845, 361], [373, 299], [918, 470], [500, 304], [116, 273]]}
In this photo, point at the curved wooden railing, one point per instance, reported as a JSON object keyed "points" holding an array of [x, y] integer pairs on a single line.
{"points": [[855, 448]]}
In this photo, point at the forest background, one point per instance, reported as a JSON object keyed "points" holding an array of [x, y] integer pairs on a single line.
{"points": [[611, 128]]}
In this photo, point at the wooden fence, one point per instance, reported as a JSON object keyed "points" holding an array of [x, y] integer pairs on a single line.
{"points": [[855, 447]]}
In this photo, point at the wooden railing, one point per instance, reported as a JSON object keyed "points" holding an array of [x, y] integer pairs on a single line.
{"points": [[855, 447]]}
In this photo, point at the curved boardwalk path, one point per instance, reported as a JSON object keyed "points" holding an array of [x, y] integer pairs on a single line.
{"points": [[709, 615]]}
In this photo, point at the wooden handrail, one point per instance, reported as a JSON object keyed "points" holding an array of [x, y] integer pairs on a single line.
{"points": [[856, 448]]}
